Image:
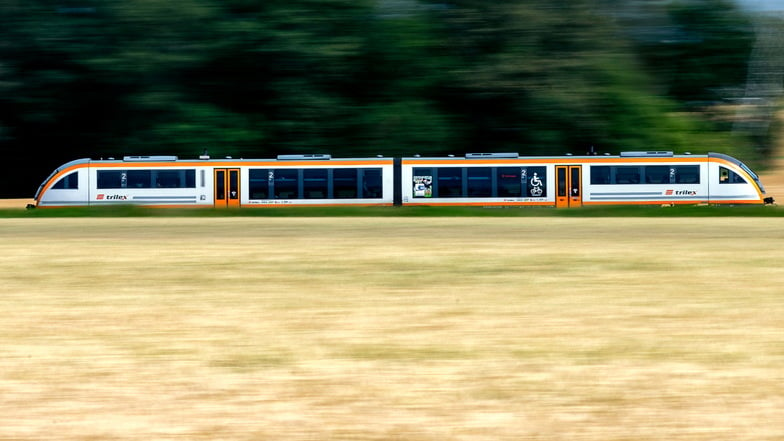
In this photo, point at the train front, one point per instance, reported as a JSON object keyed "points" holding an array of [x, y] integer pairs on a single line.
{"points": [[65, 186], [734, 174]]}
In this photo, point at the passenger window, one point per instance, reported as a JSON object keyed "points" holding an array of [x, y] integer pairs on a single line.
{"points": [[112, 179], [174, 179], [600, 175], [479, 184], [450, 182], [138, 179], [658, 174], [345, 183], [687, 174], [259, 179], [315, 183], [508, 182], [627, 175], [286, 184], [371, 183], [68, 182]]}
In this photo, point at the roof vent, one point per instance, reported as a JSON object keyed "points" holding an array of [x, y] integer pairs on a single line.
{"points": [[491, 155], [148, 158], [301, 157], [647, 154]]}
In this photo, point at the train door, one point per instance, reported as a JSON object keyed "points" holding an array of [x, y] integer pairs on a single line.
{"points": [[569, 189], [227, 187]]}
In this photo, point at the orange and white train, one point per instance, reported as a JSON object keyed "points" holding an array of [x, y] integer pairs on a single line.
{"points": [[479, 179]]}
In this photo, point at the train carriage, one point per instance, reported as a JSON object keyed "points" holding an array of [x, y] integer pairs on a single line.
{"points": [[506, 179], [166, 181], [480, 179]]}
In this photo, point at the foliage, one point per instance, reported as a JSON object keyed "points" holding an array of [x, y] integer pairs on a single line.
{"points": [[354, 77]]}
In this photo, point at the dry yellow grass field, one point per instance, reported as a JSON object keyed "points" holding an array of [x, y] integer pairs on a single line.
{"points": [[14, 203], [392, 329]]}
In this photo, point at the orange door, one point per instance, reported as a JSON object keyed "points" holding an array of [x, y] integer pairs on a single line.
{"points": [[569, 189], [227, 187]]}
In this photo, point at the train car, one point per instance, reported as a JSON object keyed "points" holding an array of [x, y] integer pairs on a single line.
{"points": [[507, 179], [478, 179], [167, 181]]}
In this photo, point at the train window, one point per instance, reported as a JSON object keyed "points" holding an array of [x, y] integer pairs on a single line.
{"points": [[450, 182], [68, 182], [138, 179], [658, 174], [423, 182], [561, 174], [574, 180], [479, 182], [174, 178], [687, 174], [286, 183], [600, 174], [112, 178], [234, 184], [220, 185], [371, 183], [315, 184], [536, 181], [146, 179], [508, 182], [259, 182], [727, 176], [345, 183], [627, 175]]}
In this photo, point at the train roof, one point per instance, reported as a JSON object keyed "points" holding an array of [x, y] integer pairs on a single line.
{"points": [[467, 156], [627, 154], [207, 158]]}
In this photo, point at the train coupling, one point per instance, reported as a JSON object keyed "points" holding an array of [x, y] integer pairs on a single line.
{"points": [[769, 201]]}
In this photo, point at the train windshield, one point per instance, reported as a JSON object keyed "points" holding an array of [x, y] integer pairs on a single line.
{"points": [[742, 166], [54, 173]]}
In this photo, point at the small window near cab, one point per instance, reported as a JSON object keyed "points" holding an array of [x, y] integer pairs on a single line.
{"points": [[687, 174], [68, 182], [727, 176]]}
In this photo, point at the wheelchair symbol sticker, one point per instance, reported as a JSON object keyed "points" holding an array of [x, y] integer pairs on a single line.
{"points": [[536, 186]]}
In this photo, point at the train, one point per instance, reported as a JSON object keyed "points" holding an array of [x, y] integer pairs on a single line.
{"points": [[475, 179]]}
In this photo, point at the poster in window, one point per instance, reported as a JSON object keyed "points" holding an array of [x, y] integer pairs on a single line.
{"points": [[423, 186]]}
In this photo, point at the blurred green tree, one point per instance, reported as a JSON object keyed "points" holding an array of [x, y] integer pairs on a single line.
{"points": [[355, 77], [702, 55]]}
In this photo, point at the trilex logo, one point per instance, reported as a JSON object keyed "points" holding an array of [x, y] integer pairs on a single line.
{"points": [[680, 193], [111, 197]]}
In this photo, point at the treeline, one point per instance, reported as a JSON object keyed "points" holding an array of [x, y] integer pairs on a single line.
{"points": [[251, 78]]}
